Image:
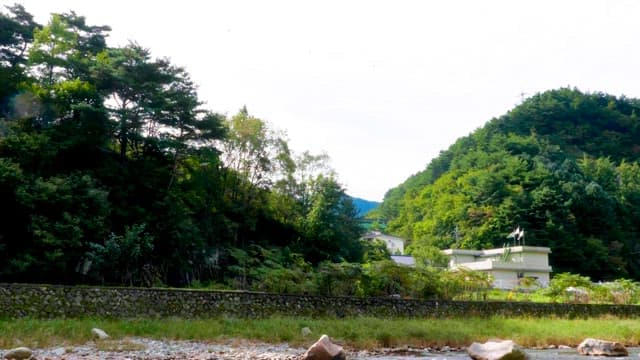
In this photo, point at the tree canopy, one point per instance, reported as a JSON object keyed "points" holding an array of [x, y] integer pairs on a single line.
{"points": [[112, 170]]}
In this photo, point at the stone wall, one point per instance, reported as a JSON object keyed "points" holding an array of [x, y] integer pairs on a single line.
{"points": [[50, 301]]}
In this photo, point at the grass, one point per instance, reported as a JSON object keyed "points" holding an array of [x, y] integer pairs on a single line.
{"points": [[365, 332], [507, 295]]}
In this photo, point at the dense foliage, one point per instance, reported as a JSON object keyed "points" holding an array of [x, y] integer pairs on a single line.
{"points": [[563, 165], [111, 171]]}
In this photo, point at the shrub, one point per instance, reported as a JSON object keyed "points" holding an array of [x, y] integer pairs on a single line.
{"points": [[338, 279], [386, 278], [569, 287]]}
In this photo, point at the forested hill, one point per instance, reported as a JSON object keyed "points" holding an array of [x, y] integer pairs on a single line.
{"points": [[562, 165], [364, 206]]}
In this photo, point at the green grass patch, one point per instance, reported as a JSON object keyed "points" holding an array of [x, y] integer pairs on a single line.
{"points": [[361, 332]]}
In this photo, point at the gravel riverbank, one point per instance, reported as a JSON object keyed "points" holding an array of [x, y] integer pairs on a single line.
{"points": [[142, 348]]}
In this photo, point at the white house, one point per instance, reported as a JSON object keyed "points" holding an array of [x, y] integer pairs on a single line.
{"points": [[507, 265], [395, 245], [406, 260]]}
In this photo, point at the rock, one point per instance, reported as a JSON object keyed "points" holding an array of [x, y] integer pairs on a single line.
{"points": [[602, 348], [496, 350], [324, 349], [18, 353], [564, 347], [59, 351], [99, 333]]}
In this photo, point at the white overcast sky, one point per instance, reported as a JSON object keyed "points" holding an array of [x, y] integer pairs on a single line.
{"points": [[381, 86]]}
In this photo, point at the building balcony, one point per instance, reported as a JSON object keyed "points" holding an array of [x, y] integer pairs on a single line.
{"points": [[495, 264]]}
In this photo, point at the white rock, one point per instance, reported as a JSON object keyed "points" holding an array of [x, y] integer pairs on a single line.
{"points": [[99, 333], [496, 350], [324, 349], [18, 353], [305, 331], [59, 351], [602, 348]]}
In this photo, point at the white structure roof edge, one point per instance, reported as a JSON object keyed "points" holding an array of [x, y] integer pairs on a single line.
{"points": [[491, 252]]}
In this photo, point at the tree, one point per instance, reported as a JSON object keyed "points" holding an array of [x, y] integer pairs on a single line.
{"points": [[53, 47], [123, 259], [331, 228], [16, 32], [134, 84], [61, 216], [255, 153], [429, 256]]}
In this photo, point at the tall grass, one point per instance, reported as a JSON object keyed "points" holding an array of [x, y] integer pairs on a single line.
{"points": [[362, 332]]}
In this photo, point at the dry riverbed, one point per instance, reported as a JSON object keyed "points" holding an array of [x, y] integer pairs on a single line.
{"points": [[141, 348]]}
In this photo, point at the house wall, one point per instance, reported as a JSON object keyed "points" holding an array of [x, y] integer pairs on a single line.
{"points": [[536, 260], [484, 265], [394, 246], [458, 259], [541, 277], [504, 279]]}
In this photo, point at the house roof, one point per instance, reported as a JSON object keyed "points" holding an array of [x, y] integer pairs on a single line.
{"points": [[381, 236], [489, 264], [407, 260], [491, 252]]}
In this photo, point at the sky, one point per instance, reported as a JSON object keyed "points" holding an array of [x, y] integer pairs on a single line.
{"points": [[380, 86]]}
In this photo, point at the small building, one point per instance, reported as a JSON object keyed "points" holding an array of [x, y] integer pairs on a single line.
{"points": [[394, 244], [506, 265], [405, 260]]}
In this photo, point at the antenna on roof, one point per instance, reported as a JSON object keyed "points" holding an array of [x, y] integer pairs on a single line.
{"points": [[517, 235]]}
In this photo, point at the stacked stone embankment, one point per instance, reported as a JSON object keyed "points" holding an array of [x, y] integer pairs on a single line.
{"points": [[51, 301]]}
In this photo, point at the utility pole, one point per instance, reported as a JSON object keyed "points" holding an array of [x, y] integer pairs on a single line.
{"points": [[456, 235]]}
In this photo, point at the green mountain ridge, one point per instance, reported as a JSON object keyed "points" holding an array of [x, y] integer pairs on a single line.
{"points": [[562, 165], [364, 206]]}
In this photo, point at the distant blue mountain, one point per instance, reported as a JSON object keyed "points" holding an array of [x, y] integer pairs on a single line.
{"points": [[364, 206]]}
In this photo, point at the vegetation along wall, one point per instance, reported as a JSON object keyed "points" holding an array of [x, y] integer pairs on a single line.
{"points": [[45, 301]]}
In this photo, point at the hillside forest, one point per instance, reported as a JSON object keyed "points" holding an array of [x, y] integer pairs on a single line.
{"points": [[563, 165], [112, 171]]}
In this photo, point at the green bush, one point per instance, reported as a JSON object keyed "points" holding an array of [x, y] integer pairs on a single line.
{"points": [[425, 283], [579, 288], [464, 284], [338, 279], [620, 291], [386, 278]]}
